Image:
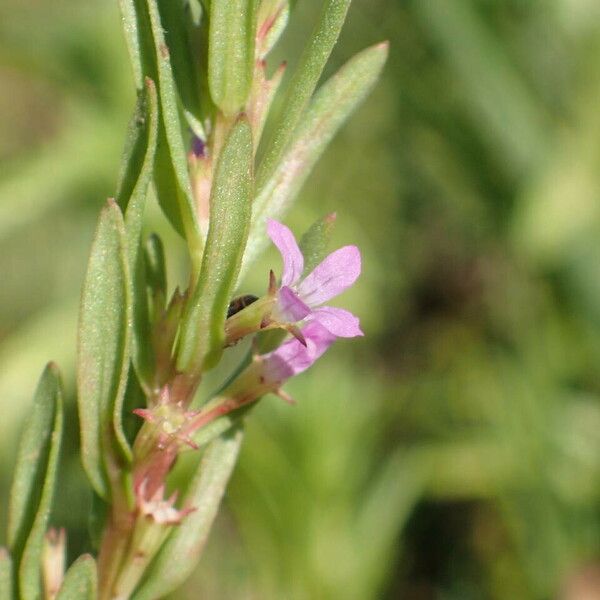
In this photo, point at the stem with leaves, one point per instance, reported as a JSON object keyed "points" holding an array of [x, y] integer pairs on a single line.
{"points": [[204, 97]]}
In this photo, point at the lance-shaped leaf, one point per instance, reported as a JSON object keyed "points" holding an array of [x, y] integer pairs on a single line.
{"points": [[303, 83], [80, 582], [33, 485], [6, 575], [138, 39], [137, 165], [180, 553], [171, 164], [132, 190], [104, 349], [332, 105], [202, 333], [230, 53], [177, 20], [32, 460]]}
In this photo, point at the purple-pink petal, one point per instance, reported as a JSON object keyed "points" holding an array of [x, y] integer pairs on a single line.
{"points": [[292, 358], [339, 322], [293, 261], [290, 308], [336, 273]]}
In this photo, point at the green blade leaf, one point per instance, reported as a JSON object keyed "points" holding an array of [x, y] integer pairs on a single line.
{"points": [[6, 575], [310, 68], [202, 334], [138, 39], [315, 241], [104, 350], [180, 553], [131, 196], [171, 157], [33, 485], [230, 53], [180, 33], [332, 105], [80, 582], [32, 461], [138, 163]]}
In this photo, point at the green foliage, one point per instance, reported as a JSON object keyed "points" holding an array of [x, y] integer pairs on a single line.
{"points": [[171, 159], [304, 81], [137, 165], [202, 334], [34, 482], [104, 346], [328, 110], [230, 53], [132, 190], [150, 57]]}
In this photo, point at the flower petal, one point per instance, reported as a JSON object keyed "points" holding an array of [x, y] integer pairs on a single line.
{"points": [[292, 358], [340, 322], [290, 309], [293, 261], [336, 273]]}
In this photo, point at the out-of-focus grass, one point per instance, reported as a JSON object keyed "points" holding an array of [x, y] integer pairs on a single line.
{"points": [[454, 451]]}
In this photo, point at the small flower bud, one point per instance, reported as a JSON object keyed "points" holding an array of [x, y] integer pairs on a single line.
{"points": [[53, 561]]}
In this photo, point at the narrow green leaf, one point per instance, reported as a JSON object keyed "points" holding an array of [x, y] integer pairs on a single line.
{"points": [[138, 163], [171, 156], [132, 190], [80, 582], [48, 406], [332, 105], [138, 39], [230, 53], [304, 81], [166, 184], [32, 461], [179, 555], [176, 18], [315, 241], [104, 349], [6, 575], [202, 333]]}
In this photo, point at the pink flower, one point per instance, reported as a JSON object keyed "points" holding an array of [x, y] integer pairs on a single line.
{"points": [[292, 357], [266, 374], [300, 298]]}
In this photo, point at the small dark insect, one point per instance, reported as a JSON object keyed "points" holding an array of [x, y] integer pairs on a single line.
{"points": [[239, 303]]}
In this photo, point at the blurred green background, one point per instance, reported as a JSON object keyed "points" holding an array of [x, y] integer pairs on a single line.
{"points": [[454, 452]]}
